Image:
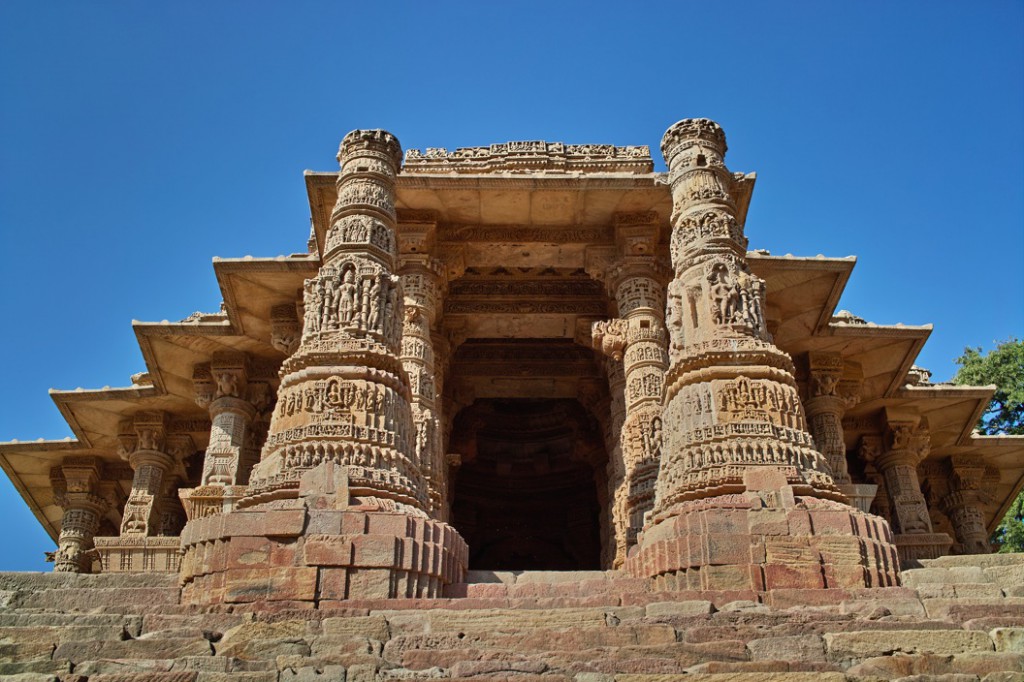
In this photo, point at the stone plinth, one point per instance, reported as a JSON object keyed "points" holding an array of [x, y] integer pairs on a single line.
{"points": [[861, 495], [208, 500], [766, 538], [138, 554], [318, 549], [913, 547]]}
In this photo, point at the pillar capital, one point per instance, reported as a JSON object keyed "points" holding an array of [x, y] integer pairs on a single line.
{"points": [[417, 233], [285, 330], [638, 233], [905, 441]]}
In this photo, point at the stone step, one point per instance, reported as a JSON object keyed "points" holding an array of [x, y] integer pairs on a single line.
{"points": [[980, 560], [114, 599], [17, 581], [579, 626]]}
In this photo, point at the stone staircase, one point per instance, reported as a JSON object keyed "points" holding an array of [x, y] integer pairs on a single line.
{"points": [[957, 619]]}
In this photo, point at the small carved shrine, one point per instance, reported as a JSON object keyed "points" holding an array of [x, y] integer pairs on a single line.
{"points": [[527, 356]]}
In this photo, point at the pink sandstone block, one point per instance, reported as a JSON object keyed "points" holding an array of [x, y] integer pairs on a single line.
{"points": [[370, 583], [799, 522], [283, 552], [795, 575], [828, 522], [245, 524], [735, 577], [845, 576], [388, 524], [375, 551], [727, 549], [353, 523], [285, 522], [246, 584], [333, 584], [293, 583], [248, 552], [768, 522], [324, 522], [327, 550]]}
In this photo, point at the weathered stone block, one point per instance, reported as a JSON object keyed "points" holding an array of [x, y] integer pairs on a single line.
{"points": [[1008, 639], [681, 608], [371, 583], [375, 551], [327, 550], [368, 627], [846, 646], [285, 522], [787, 648], [794, 575]]}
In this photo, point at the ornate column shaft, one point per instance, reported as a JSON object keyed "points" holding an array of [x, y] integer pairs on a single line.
{"points": [[830, 395], [423, 288], [904, 446], [736, 440], [730, 393], [75, 484], [337, 507], [142, 443], [965, 502], [344, 396], [637, 337], [234, 399], [222, 387]]}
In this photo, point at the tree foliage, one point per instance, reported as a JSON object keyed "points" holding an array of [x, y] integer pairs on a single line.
{"points": [[1004, 367]]}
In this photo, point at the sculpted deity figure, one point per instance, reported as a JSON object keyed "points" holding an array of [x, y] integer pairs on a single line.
{"points": [[724, 296], [373, 321], [348, 293]]}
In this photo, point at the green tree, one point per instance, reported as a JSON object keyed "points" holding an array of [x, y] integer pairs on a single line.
{"points": [[1003, 367]]}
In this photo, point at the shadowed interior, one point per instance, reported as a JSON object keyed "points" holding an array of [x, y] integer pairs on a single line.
{"points": [[526, 496]]}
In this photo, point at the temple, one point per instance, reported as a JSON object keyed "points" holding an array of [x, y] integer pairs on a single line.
{"points": [[531, 356]]}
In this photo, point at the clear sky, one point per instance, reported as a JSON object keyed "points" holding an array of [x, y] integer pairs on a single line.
{"points": [[139, 140]]}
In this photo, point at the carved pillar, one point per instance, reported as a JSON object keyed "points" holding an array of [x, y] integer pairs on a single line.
{"points": [[737, 438], [339, 500], [222, 387], [234, 397], [830, 395], [905, 445], [730, 393], [964, 504], [76, 490], [637, 282], [344, 396], [143, 443], [423, 285], [152, 516]]}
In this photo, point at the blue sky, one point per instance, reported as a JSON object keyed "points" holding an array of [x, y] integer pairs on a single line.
{"points": [[139, 140]]}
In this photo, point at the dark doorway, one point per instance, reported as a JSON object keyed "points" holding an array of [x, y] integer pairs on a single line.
{"points": [[526, 495]]}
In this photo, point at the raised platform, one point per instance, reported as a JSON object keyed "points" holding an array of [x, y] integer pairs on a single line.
{"points": [[958, 619]]}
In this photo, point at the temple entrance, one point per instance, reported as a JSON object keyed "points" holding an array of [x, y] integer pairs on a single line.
{"points": [[529, 494]]}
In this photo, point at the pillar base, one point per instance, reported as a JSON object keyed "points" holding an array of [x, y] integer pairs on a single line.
{"points": [[913, 547], [861, 494], [208, 500], [763, 539], [138, 554], [318, 549]]}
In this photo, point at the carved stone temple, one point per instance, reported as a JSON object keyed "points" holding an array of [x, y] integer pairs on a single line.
{"points": [[528, 356]]}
